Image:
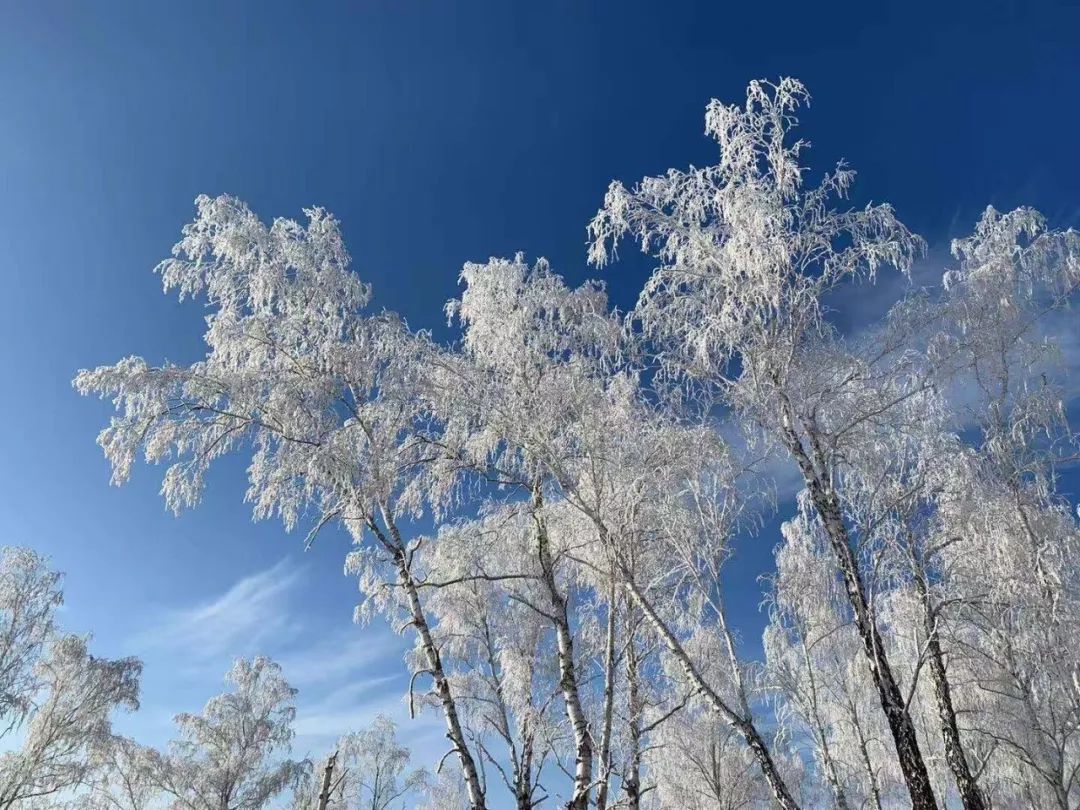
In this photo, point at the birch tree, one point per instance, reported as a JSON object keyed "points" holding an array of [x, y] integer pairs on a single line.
{"points": [[518, 322], [1001, 514], [702, 764], [369, 770], [30, 593], [56, 698], [746, 251], [447, 791], [824, 697], [553, 398], [125, 777], [69, 720], [379, 765], [320, 394], [231, 756], [492, 606]]}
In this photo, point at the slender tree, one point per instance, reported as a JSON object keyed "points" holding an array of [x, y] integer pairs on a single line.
{"points": [[491, 606], [230, 756], [125, 778], [746, 253], [30, 593], [320, 394], [368, 770], [75, 696], [550, 415]]}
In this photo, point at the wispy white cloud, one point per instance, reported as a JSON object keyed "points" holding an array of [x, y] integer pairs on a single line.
{"points": [[345, 675], [345, 680], [351, 706], [331, 659], [252, 610]]}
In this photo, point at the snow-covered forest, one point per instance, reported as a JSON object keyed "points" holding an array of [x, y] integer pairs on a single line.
{"points": [[547, 505]]}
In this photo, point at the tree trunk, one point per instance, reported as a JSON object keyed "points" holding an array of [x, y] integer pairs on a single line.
{"points": [[609, 705], [901, 725], [632, 781], [523, 777], [875, 791], [568, 682], [970, 795], [442, 690], [744, 725], [916, 776], [434, 661], [328, 775], [831, 776]]}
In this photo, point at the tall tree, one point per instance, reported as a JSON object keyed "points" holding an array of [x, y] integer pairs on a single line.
{"points": [[75, 695], [552, 411], [746, 251], [230, 757], [512, 419], [30, 593], [319, 393]]}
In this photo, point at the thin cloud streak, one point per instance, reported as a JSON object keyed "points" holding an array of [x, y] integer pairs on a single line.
{"points": [[352, 651], [350, 707], [252, 610]]}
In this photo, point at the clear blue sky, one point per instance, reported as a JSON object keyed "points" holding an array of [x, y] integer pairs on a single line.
{"points": [[438, 133]]}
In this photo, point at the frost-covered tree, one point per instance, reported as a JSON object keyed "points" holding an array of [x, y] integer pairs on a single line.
{"points": [[800, 644], [321, 395], [30, 593], [369, 770], [56, 698], [746, 252], [551, 413], [447, 791], [978, 514], [320, 786], [700, 763], [1010, 632], [232, 755], [530, 347], [377, 766], [824, 696], [1015, 277], [491, 605], [68, 722]]}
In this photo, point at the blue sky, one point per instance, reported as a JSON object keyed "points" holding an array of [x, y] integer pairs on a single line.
{"points": [[438, 133]]}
